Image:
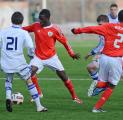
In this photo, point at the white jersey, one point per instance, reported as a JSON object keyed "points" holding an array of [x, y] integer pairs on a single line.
{"points": [[112, 20], [12, 41]]}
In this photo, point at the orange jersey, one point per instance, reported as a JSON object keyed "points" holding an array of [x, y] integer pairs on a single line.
{"points": [[113, 34], [45, 39]]}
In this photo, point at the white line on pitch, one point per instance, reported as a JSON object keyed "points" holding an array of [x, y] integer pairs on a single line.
{"points": [[54, 78]]}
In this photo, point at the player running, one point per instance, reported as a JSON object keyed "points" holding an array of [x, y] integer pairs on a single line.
{"points": [[111, 59], [12, 41], [46, 35], [93, 67]]}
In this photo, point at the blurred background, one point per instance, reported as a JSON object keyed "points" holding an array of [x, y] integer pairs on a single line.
{"points": [[66, 13]]}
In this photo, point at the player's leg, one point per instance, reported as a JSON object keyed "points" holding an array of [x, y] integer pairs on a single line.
{"points": [[34, 93], [114, 73], [93, 71], [36, 66], [26, 75], [35, 81], [104, 97], [55, 64], [8, 86], [68, 83]]}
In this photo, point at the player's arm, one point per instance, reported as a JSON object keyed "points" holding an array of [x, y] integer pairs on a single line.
{"points": [[97, 49], [29, 28], [62, 39], [91, 30]]}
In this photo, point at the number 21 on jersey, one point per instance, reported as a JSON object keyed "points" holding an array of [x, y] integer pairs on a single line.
{"points": [[11, 43], [118, 41]]}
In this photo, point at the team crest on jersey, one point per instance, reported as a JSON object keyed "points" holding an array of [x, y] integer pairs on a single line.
{"points": [[50, 34]]}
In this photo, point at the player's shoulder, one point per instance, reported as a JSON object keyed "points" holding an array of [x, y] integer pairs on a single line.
{"points": [[56, 27], [36, 23], [5, 30]]}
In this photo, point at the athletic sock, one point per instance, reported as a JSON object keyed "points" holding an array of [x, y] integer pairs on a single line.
{"points": [[94, 75], [70, 87], [106, 94], [34, 93], [8, 86], [35, 81]]}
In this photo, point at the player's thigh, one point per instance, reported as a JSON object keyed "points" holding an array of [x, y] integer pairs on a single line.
{"points": [[37, 63], [25, 73], [54, 63], [94, 65], [104, 68], [115, 71]]}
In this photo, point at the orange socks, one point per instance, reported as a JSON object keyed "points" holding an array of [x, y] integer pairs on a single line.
{"points": [[106, 94], [70, 87]]}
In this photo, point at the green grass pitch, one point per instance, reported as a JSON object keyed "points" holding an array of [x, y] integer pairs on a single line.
{"points": [[56, 97]]}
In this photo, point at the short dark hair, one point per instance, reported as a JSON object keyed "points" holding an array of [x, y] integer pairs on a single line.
{"points": [[120, 16], [114, 5], [103, 18], [17, 18], [45, 12]]}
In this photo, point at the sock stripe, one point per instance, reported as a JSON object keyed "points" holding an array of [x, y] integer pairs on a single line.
{"points": [[35, 96], [8, 88], [31, 86]]}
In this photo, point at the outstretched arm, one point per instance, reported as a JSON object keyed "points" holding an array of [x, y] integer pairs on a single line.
{"points": [[62, 39], [92, 30], [29, 28]]}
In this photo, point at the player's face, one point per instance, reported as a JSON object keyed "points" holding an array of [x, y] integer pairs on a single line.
{"points": [[43, 20], [113, 11]]}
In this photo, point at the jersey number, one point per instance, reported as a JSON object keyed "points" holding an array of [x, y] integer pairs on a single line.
{"points": [[118, 41], [12, 43]]}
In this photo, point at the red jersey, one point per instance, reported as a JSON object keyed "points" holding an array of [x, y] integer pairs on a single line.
{"points": [[113, 34], [45, 39]]}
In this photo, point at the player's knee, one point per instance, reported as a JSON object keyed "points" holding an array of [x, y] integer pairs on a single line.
{"points": [[62, 75], [34, 70], [91, 68], [29, 81]]}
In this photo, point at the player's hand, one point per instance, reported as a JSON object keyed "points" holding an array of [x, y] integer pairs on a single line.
{"points": [[87, 56], [76, 56], [73, 31]]}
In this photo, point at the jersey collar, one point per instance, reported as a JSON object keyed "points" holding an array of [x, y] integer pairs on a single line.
{"points": [[49, 26], [16, 26]]}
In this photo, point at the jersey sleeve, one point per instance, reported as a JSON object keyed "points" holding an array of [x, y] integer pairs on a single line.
{"points": [[29, 28], [101, 30], [62, 39], [99, 47]]}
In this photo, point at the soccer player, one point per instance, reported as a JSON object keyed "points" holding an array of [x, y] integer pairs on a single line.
{"points": [[12, 41], [93, 67], [113, 17], [46, 35], [111, 59]]}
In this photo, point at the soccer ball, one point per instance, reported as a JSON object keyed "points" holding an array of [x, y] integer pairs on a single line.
{"points": [[17, 98]]}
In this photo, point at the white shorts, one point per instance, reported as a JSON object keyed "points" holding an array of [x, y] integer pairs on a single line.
{"points": [[110, 69], [24, 74], [54, 63]]}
